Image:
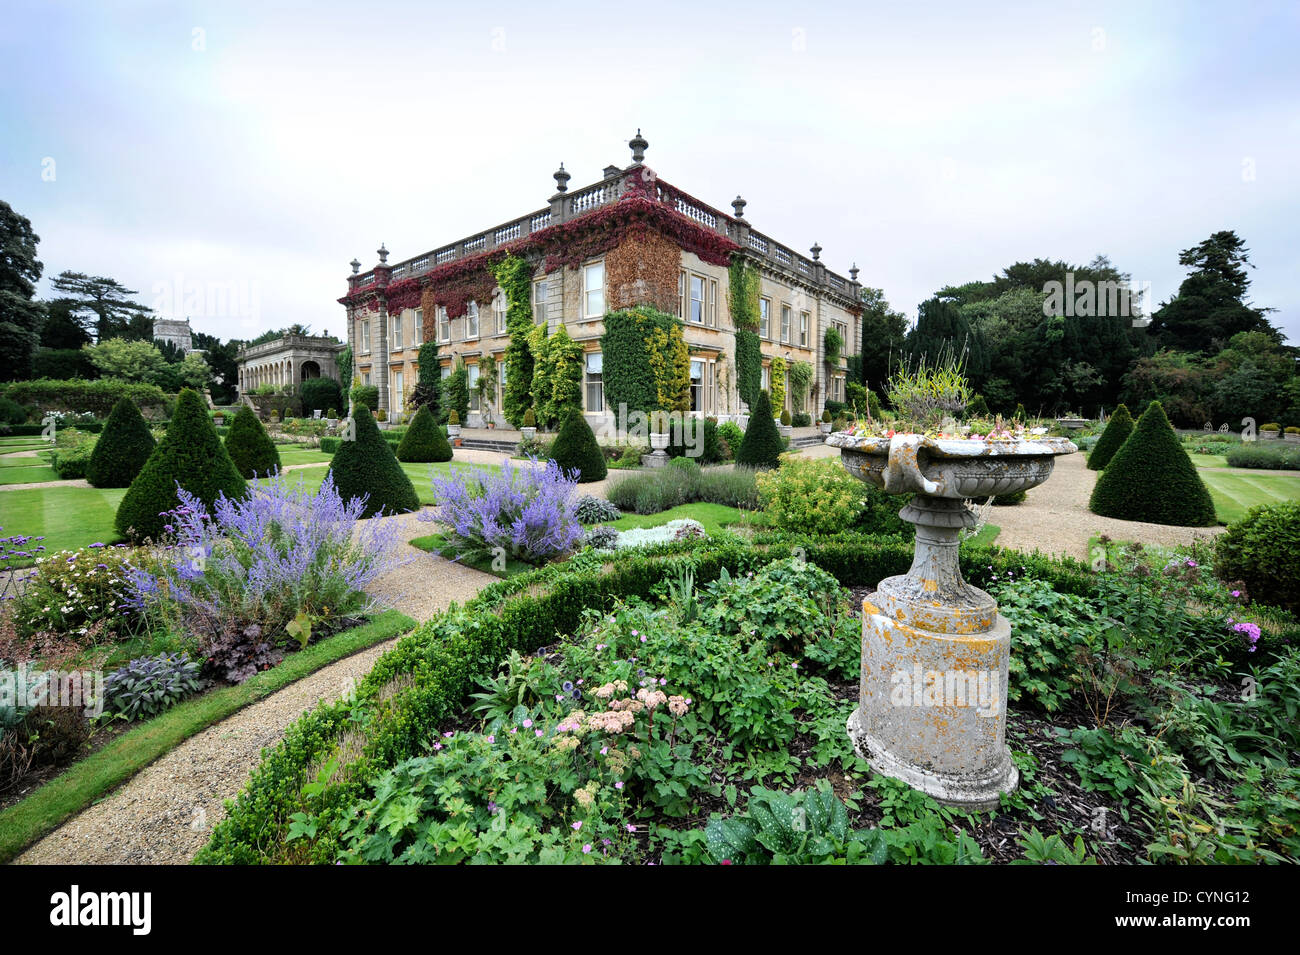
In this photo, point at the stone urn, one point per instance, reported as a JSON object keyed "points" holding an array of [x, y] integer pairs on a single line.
{"points": [[932, 697], [528, 433], [825, 426]]}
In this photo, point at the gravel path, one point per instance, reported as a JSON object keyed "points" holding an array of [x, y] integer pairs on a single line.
{"points": [[164, 814]]}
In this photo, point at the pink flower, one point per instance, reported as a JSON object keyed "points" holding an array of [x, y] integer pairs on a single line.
{"points": [[631, 828], [577, 825], [586, 849], [527, 723], [619, 784]]}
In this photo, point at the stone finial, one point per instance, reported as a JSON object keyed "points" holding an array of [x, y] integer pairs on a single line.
{"points": [[356, 266], [853, 272], [739, 205], [382, 253], [639, 146], [561, 179], [816, 252]]}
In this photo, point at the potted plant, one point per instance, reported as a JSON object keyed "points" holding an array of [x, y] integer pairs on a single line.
{"points": [[529, 428], [786, 427], [1270, 431], [826, 422], [219, 419], [274, 417], [332, 416], [381, 416], [453, 425], [1293, 435]]}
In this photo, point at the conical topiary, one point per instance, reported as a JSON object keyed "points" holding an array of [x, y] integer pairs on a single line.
{"points": [[364, 466], [191, 455], [1152, 479], [250, 447], [575, 449], [762, 445], [122, 449], [424, 441], [1117, 431]]}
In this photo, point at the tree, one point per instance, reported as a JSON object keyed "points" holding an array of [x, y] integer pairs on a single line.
{"points": [[576, 449], [108, 301], [424, 441], [762, 445], [250, 447], [321, 394], [21, 316], [455, 389], [128, 360], [190, 455], [1117, 431], [884, 333], [194, 372], [62, 330], [1152, 479], [223, 359], [365, 467], [1211, 305], [427, 392], [122, 449]]}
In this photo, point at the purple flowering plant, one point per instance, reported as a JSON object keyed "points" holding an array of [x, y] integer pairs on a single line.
{"points": [[261, 560], [529, 513]]}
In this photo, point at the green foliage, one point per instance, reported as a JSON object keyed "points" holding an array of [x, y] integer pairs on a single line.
{"points": [[762, 444], [937, 387], [366, 467], [778, 386], [424, 440], [1117, 431], [1151, 479], [89, 397], [749, 367], [1262, 551], [63, 363], [575, 449], [1274, 456], [646, 365], [250, 447], [806, 827], [72, 452], [123, 448], [320, 394], [367, 395], [427, 392], [515, 277], [811, 495], [833, 342], [661, 489], [788, 604], [190, 455], [455, 391]]}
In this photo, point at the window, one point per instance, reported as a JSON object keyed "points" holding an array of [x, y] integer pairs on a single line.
{"points": [[713, 304], [540, 304], [444, 325], [501, 383], [472, 381], [365, 338], [681, 294], [396, 400], [593, 290], [785, 323], [697, 299], [499, 306], [765, 317], [417, 328], [595, 382], [697, 385], [446, 371], [767, 377], [397, 332], [711, 386], [471, 322], [804, 318], [365, 378]]}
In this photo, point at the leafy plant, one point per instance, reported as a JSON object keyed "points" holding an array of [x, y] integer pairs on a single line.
{"points": [[148, 685]]}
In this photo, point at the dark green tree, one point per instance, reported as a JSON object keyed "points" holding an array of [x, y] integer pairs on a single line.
{"points": [[366, 467], [123, 448], [455, 391], [424, 441], [427, 392], [1117, 431], [1152, 479], [762, 445], [884, 333], [106, 303], [575, 449], [62, 330], [190, 455], [21, 316], [250, 447]]}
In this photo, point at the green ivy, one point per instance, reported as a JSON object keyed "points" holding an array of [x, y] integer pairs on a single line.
{"points": [[515, 276], [745, 316]]}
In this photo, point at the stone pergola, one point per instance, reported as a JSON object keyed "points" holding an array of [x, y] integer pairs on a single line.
{"points": [[288, 360]]}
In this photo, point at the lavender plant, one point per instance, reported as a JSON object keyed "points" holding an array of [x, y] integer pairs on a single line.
{"points": [[529, 514], [261, 560]]}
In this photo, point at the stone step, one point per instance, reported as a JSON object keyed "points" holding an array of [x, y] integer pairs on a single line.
{"points": [[489, 444], [808, 440]]}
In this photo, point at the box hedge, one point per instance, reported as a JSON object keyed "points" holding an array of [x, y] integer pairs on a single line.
{"points": [[366, 466], [1117, 431], [575, 449], [424, 441], [123, 448], [762, 445], [95, 397], [250, 447]]}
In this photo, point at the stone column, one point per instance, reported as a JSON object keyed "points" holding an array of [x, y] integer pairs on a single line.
{"points": [[379, 353]]}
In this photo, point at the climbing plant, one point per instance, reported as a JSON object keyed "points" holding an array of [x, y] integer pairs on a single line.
{"points": [[515, 277], [647, 365], [800, 375], [557, 375], [834, 345], [742, 300], [778, 384]]}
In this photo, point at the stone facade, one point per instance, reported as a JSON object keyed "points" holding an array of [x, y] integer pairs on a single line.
{"points": [[288, 361], [670, 263], [176, 331]]}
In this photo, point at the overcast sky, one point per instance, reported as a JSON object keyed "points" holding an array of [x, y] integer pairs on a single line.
{"points": [[260, 146]]}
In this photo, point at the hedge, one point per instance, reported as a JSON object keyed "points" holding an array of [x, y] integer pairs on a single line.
{"points": [[367, 467], [1112, 439], [426, 679], [120, 454], [762, 445], [424, 441], [320, 394], [96, 397], [65, 364], [250, 447], [575, 449]]}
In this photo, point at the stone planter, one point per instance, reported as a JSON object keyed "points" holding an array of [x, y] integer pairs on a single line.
{"points": [[932, 697], [453, 431], [529, 434], [1293, 438], [785, 429], [657, 457], [825, 426], [1270, 435]]}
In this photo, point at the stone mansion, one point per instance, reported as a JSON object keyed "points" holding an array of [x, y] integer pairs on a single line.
{"points": [[628, 239]]}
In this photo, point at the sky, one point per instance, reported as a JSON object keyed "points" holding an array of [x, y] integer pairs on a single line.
{"points": [[227, 160]]}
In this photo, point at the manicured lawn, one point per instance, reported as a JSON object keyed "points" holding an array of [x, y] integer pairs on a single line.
{"points": [[436, 543], [67, 517], [1235, 492], [714, 517], [986, 536], [31, 471], [297, 454], [1209, 460], [418, 473]]}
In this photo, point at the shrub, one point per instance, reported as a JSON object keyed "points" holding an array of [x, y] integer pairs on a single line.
{"points": [[1008, 500], [63, 363], [424, 441], [1293, 430], [366, 467], [191, 457], [42, 736], [663, 488], [762, 445], [730, 433], [453, 417], [72, 451], [1117, 431], [148, 685], [332, 414], [367, 395], [786, 604], [680, 529], [602, 537], [1262, 551], [1152, 479], [80, 594], [813, 495], [531, 513], [801, 420], [530, 419], [575, 449], [11, 412], [596, 510], [250, 447], [318, 394], [92, 397], [785, 417], [1276, 457], [826, 416]]}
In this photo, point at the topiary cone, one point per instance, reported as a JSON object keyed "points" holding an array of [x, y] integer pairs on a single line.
{"points": [[191, 455], [250, 447], [575, 449], [424, 442], [123, 447], [1152, 479], [1117, 431], [762, 445], [365, 467]]}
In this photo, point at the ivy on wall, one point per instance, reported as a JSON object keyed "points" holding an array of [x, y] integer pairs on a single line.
{"points": [[742, 300], [515, 276], [647, 363], [834, 345], [800, 374], [778, 384], [643, 270], [749, 367], [557, 375], [455, 390]]}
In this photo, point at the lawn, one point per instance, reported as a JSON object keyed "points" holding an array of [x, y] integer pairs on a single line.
{"points": [[298, 454], [25, 471], [418, 473], [714, 517], [1236, 491], [67, 517]]}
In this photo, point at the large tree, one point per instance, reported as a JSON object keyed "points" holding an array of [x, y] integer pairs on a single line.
{"points": [[107, 304], [1211, 304], [884, 332], [21, 316], [62, 327]]}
